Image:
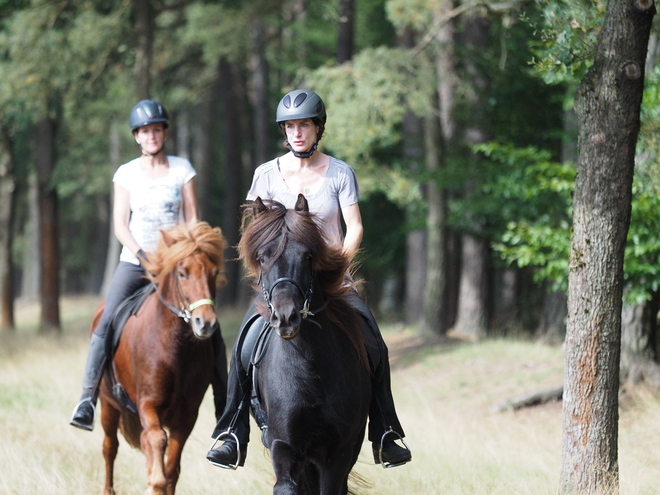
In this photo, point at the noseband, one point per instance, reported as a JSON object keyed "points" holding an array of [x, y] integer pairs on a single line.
{"points": [[186, 308], [306, 294]]}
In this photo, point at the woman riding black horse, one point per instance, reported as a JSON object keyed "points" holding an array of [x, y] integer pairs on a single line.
{"points": [[331, 188]]}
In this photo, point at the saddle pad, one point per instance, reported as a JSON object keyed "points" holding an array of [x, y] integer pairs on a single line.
{"points": [[130, 306]]}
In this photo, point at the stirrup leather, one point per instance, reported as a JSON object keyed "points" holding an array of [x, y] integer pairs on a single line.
{"points": [[380, 449], [226, 434]]}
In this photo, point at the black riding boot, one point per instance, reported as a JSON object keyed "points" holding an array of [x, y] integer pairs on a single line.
{"points": [[384, 426], [233, 428], [85, 410]]}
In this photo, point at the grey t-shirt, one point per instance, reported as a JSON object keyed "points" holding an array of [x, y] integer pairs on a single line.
{"points": [[338, 190]]}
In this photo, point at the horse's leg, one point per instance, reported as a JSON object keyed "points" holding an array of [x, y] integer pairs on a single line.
{"points": [[153, 441], [110, 423], [334, 475], [287, 468], [175, 445]]}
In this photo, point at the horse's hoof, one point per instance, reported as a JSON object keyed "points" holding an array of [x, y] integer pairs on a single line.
{"points": [[392, 455], [226, 455]]}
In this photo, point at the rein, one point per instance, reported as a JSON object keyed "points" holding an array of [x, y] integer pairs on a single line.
{"points": [[186, 308]]}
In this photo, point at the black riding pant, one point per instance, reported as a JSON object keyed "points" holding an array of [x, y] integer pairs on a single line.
{"points": [[127, 279]]}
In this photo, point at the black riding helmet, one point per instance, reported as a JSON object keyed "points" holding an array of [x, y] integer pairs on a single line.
{"points": [[302, 104], [147, 112]]}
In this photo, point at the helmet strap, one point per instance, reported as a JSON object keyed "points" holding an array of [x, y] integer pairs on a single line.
{"points": [[151, 154], [302, 154]]}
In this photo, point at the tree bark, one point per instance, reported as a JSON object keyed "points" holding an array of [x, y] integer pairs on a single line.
{"points": [[472, 318], [114, 247], [260, 101], [144, 36], [234, 191], [436, 138], [607, 106], [48, 208], [435, 290], [7, 210], [31, 267], [637, 353], [346, 23], [205, 146]]}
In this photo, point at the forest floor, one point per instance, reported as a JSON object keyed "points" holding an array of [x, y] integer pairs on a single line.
{"points": [[445, 391]]}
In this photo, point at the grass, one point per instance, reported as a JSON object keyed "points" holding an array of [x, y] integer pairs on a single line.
{"points": [[444, 393]]}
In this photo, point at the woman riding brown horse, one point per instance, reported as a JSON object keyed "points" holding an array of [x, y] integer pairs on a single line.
{"points": [[164, 359]]}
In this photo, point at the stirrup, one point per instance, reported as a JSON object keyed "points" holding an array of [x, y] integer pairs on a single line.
{"points": [[380, 449], [224, 434]]}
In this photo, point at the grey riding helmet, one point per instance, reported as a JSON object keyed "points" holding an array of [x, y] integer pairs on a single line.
{"points": [[302, 104], [147, 112]]}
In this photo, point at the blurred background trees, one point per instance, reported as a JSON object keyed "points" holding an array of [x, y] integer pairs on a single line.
{"points": [[456, 116]]}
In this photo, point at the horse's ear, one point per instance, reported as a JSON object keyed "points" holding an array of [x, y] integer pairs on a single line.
{"points": [[302, 204], [167, 238], [258, 206]]}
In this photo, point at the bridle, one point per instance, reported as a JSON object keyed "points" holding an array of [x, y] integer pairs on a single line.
{"points": [[306, 294], [186, 308]]}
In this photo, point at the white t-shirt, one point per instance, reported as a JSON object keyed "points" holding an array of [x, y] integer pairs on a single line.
{"points": [[339, 189], [156, 204]]}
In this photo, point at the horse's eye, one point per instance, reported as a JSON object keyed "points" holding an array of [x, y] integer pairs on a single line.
{"points": [[261, 260], [181, 274]]}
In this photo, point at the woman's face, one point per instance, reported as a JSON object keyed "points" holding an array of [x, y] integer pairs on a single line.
{"points": [[151, 138], [301, 133]]}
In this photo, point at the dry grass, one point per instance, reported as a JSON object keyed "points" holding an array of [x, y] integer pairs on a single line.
{"points": [[443, 391]]}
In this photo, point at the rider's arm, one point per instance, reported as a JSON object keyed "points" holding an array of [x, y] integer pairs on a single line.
{"points": [[354, 229], [121, 216], [190, 201]]}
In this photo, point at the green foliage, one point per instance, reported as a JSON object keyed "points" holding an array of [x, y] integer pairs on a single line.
{"points": [[530, 196], [567, 31], [367, 99]]}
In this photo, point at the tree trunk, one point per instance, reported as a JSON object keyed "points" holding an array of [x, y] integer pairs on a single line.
{"points": [[552, 324], [472, 319], [7, 210], [637, 353], [114, 247], [346, 23], [48, 208], [31, 269], [143, 14], [607, 106], [436, 138], [434, 292], [259, 100], [205, 147], [234, 191]]}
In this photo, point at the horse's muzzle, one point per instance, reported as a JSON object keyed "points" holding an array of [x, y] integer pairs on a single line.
{"points": [[204, 328]]}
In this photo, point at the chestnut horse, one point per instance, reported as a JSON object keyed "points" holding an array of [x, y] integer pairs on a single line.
{"points": [[312, 373], [164, 359]]}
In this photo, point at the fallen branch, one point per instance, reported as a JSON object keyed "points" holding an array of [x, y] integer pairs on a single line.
{"points": [[529, 400]]}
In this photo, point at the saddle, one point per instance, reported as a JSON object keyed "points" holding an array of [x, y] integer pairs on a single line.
{"points": [[251, 350], [129, 307]]}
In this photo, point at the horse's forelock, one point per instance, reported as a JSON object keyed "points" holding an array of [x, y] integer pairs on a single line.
{"points": [[186, 239], [273, 222]]}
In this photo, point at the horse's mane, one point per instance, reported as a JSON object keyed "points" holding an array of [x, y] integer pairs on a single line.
{"points": [[182, 241], [270, 221]]}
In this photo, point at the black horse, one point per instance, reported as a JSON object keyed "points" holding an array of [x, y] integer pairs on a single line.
{"points": [[312, 374]]}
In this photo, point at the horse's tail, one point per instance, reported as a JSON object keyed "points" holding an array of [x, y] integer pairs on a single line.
{"points": [[358, 483], [130, 427]]}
